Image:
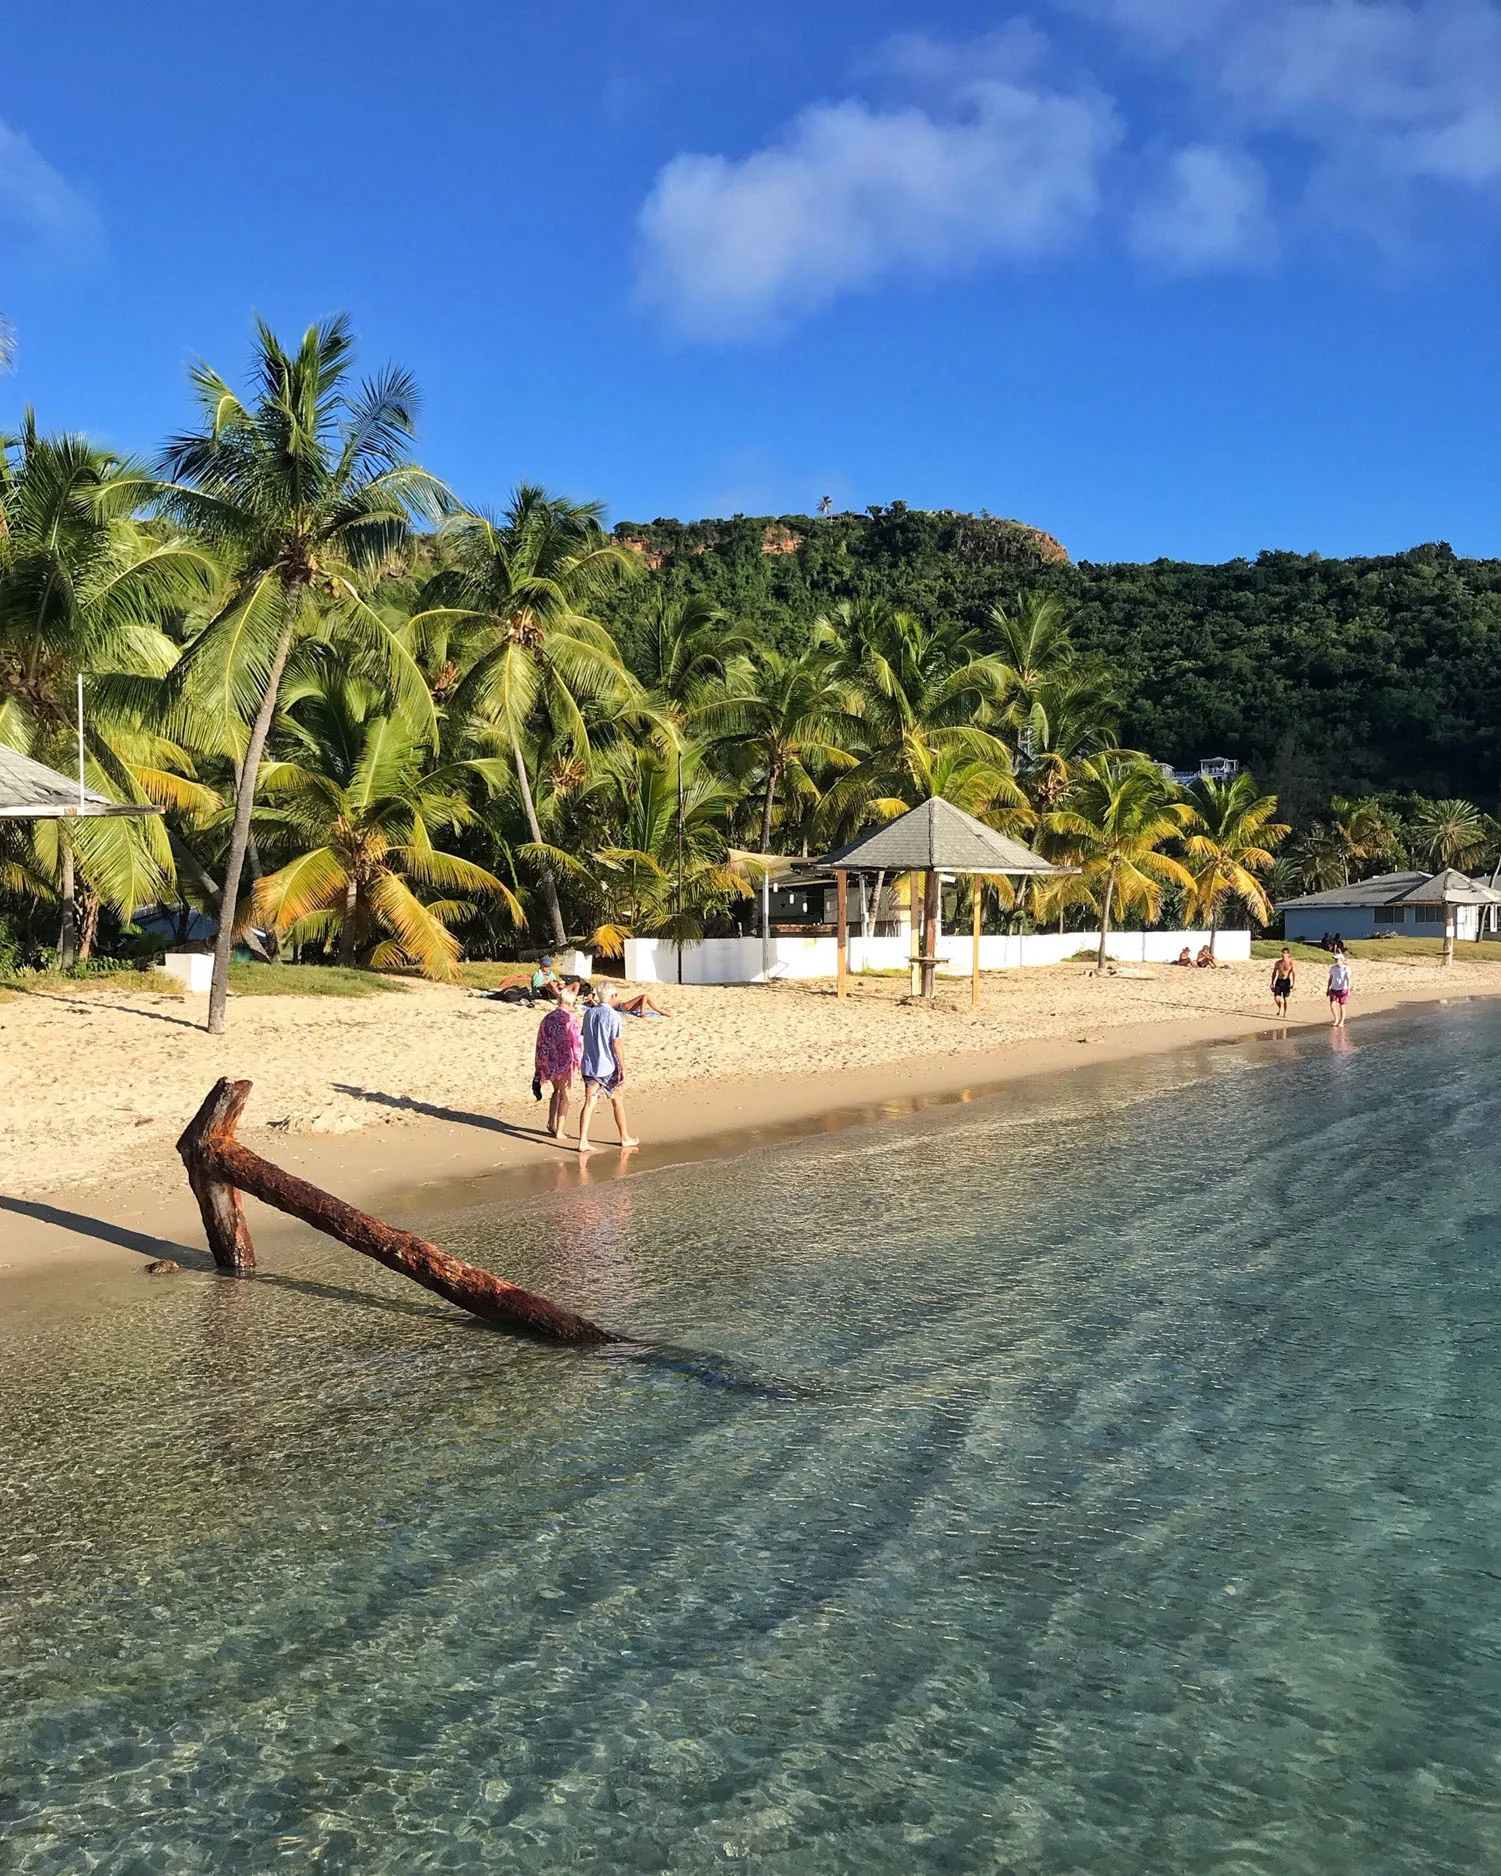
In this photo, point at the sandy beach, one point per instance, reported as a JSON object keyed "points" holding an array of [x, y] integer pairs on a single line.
{"points": [[384, 1099]]}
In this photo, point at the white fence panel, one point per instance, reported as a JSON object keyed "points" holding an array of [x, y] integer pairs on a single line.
{"points": [[740, 960]]}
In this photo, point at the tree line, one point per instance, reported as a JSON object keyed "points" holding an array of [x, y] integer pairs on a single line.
{"points": [[387, 730]]}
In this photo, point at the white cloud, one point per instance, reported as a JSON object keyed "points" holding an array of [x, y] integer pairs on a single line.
{"points": [[851, 193], [1210, 212], [37, 200], [1393, 89]]}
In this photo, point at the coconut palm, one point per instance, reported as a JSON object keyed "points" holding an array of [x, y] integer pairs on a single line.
{"points": [[304, 489], [1450, 833], [1117, 818], [512, 616], [789, 717], [925, 699], [688, 652], [1364, 832], [84, 587], [1231, 835], [354, 804]]}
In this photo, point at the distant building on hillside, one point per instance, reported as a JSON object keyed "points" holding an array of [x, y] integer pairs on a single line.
{"points": [[1212, 768]]}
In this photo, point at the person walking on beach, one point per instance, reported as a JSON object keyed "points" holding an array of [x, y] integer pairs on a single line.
{"points": [[560, 1047], [1284, 979], [1339, 988], [603, 1066]]}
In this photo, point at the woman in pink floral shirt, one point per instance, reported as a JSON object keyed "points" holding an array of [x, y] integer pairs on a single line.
{"points": [[560, 1047]]}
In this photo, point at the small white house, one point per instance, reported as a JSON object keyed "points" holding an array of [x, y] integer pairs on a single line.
{"points": [[1391, 904]]}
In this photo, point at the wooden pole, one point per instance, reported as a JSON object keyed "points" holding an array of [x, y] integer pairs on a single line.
{"points": [[1448, 955], [932, 924], [974, 963], [842, 884], [219, 1169], [915, 909]]}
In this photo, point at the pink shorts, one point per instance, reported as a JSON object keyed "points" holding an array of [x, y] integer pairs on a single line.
{"points": [[1339, 996]]}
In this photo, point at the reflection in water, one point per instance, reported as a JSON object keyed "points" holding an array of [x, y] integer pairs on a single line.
{"points": [[1102, 1482]]}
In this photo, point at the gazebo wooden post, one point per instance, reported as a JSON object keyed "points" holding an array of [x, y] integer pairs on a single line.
{"points": [[974, 959], [915, 909], [842, 894], [932, 927], [1448, 951]]}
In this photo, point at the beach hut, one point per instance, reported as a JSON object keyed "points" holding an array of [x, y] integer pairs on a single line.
{"points": [[930, 840], [30, 791], [1447, 890]]}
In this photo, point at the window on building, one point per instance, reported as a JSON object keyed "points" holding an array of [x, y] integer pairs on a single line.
{"points": [[1429, 914], [1392, 915]]}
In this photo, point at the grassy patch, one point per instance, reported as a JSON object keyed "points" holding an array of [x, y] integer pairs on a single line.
{"points": [[1488, 951], [126, 977], [305, 980]]}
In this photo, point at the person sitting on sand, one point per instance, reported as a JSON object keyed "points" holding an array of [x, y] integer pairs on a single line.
{"points": [[1339, 988], [1205, 960], [604, 1066], [545, 981], [1284, 977], [560, 1046], [1185, 957]]}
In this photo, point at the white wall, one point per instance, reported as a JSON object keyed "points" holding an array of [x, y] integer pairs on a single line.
{"points": [[738, 960]]}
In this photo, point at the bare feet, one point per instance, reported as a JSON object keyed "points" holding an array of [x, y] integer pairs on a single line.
{"points": [[587, 1146], [630, 1140]]}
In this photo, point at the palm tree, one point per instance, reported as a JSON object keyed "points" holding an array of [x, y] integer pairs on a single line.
{"points": [[1322, 858], [304, 490], [1450, 833], [790, 716], [84, 587], [1116, 820], [688, 653], [7, 344], [357, 801], [512, 616], [925, 699], [1363, 831], [1231, 835]]}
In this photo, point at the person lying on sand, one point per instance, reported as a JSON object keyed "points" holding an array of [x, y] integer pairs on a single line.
{"points": [[643, 1003]]}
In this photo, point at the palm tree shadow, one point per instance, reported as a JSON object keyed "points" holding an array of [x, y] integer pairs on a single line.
{"points": [[122, 1009], [107, 1233], [407, 1104]]}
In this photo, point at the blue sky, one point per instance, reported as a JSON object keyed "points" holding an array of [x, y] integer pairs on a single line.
{"points": [[1164, 277]]}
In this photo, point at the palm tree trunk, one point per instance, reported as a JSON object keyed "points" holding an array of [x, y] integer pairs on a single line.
{"points": [[1214, 926], [89, 927], [544, 873], [67, 930], [239, 839], [1105, 914], [347, 929], [771, 795]]}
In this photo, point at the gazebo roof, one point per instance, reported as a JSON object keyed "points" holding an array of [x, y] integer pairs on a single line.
{"points": [[30, 791], [937, 837], [1450, 887]]}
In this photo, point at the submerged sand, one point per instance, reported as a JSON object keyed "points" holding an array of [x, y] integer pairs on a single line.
{"points": [[96, 1085]]}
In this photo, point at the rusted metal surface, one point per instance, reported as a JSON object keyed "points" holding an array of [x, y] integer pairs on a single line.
{"points": [[220, 1169]]}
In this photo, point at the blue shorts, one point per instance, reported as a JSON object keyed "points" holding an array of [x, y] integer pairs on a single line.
{"points": [[611, 1085]]}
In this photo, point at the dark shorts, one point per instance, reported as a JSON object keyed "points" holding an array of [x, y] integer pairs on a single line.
{"points": [[1282, 986]]}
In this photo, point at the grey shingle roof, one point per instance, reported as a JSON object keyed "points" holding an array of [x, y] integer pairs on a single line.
{"points": [[940, 837], [30, 791], [1446, 888]]}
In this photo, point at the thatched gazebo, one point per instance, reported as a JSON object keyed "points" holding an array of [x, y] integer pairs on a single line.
{"points": [[929, 840], [1450, 888]]}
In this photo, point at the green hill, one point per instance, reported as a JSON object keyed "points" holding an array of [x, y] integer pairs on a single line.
{"points": [[1322, 675]]}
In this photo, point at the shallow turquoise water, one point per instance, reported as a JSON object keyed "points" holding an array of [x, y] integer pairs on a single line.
{"points": [[1102, 1482]]}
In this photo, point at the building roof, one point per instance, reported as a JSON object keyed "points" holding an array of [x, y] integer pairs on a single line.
{"points": [[1443, 888], [30, 791], [1451, 887], [941, 838]]}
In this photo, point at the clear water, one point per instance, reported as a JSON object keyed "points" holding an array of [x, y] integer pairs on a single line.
{"points": [[1103, 1482]]}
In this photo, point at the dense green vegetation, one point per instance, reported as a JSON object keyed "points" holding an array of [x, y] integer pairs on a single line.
{"points": [[1323, 676], [393, 733]]}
